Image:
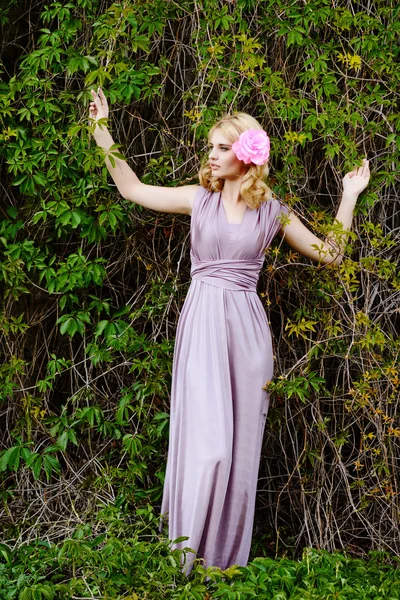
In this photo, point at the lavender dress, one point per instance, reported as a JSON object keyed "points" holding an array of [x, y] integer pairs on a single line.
{"points": [[222, 359]]}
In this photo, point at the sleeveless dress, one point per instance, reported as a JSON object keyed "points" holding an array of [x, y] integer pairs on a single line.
{"points": [[222, 359]]}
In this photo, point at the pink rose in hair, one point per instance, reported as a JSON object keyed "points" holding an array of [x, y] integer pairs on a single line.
{"points": [[252, 147]]}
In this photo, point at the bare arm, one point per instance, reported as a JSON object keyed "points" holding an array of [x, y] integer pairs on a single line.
{"points": [[163, 199], [330, 250]]}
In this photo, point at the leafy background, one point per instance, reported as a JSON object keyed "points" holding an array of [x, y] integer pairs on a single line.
{"points": [[92, 285]]}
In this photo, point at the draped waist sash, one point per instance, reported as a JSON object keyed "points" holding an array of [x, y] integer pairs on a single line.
{"points": [[232, 274]]}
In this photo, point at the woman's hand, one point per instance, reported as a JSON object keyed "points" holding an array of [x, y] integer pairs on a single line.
{"points": [[98, 108], [357, 180]]}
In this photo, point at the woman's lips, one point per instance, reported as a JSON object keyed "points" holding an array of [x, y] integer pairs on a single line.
{"points": [[214, 166]]}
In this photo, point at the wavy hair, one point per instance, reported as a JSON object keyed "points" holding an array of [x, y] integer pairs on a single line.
{"points": [[253, 190]]}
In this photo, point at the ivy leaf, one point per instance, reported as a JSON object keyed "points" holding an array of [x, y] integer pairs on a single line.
{"points": [[141, 42], [50, 464], [62, 441], [10, 459], [39, 179]]}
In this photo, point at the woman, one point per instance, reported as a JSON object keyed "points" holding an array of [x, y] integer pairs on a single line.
{"points": [[223, 351]]}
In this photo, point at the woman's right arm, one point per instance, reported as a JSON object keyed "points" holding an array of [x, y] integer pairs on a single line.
{"points": [[163, 199]]}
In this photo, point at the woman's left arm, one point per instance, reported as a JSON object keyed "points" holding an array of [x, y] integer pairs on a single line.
{"points": [[330, 250]]}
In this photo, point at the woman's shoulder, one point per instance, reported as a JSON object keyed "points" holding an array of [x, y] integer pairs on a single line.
{"points": [[271, 217], [196, 194], [274, 204]]}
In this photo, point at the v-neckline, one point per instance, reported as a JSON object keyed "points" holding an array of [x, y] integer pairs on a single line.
{"points": [[225, 215]]}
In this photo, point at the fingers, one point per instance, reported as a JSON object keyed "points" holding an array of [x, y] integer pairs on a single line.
{"points": [[96, 99], [102, 96], [99, 96], [364, 169], [98, 106], [92, 105]]}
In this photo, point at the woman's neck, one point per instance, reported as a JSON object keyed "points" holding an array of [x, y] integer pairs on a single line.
{"points": [[231, 191]]}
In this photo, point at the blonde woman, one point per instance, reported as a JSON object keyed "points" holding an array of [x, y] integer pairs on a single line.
{"points": [[223, 351]]}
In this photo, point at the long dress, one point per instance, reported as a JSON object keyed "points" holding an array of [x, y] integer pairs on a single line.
{"points": [[222, 359]]}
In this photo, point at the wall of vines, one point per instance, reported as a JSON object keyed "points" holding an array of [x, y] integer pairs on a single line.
{"points": [[92, 286]]}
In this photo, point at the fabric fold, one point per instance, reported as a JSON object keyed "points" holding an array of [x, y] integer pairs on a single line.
{"points": [[238, 275]]}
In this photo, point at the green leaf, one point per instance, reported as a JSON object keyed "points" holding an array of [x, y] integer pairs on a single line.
{"points": [[20, 179], [50, 464], [65, 325], [140, 42], [37, 466], [72, 436], [62, 441], [75, 219], [74, 130], [5, 552], [39, 179], [390, 138], [10, 459], [100, 327], [118, 155], [12, 211]]}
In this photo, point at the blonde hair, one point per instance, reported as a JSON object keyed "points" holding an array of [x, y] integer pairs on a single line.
{"points": [[253, 189]]}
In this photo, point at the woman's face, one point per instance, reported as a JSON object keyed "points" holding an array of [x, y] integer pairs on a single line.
{"points": [[223, 161]]}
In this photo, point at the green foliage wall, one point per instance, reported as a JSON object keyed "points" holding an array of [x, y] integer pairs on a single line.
{"points": [[92, 286]]}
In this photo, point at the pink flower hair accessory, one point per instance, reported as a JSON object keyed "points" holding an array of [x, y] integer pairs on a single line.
{"points": [[252, 147]]}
